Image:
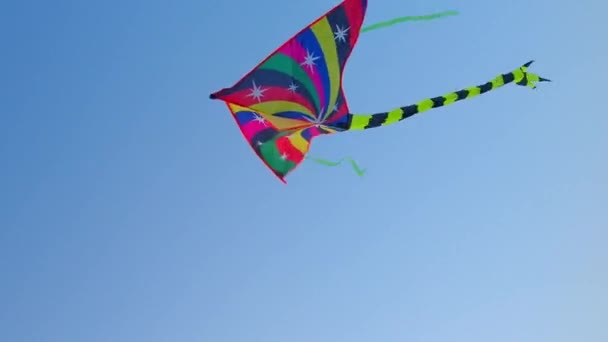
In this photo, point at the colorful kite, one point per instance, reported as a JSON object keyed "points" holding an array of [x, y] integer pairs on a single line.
{"points": [[296, 93]]}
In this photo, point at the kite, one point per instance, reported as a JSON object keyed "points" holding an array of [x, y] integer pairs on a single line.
{"points": [[295, 94]]}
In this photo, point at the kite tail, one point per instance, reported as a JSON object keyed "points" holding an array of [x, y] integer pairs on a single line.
{"points": [[326, 162], [399, 20], [521, 76]]}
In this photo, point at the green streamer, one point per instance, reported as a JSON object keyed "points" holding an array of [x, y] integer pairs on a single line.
{"points": [[392, 22], [325, 162]]}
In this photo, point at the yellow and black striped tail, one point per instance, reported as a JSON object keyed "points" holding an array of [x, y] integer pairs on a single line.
{"points": [[521, 76]]}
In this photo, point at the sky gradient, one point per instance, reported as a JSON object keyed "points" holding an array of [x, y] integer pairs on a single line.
{"points": [[131, 209]]}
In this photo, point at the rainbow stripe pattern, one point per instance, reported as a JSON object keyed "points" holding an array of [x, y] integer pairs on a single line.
{"points": [[296, 93]]}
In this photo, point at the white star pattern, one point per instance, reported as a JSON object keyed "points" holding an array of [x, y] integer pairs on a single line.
{"points": [[284, 156], [309, 60], [260, 119], [293, 87], [340, 34], [257, 92]]}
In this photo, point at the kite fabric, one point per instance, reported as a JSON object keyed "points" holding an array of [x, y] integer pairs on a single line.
{"points": [[296, 93]]}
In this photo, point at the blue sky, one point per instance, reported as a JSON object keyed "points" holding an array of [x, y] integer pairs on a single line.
{"points": [[132, 210]]}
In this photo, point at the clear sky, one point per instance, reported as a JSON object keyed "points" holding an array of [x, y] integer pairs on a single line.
{"points": [[131, 209]]}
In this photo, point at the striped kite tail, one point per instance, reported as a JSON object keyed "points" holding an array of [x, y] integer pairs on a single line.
{"points": [[521, 76]]}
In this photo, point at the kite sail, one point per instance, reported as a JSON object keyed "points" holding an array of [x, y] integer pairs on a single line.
{"points": [[296, 94]]}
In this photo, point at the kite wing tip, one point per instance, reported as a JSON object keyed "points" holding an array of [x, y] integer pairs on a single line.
{"points": [[528, 64], [530, 79]]}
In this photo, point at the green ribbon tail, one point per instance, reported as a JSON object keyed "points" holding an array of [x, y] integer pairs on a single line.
{"points": [[325, 162], [395, 21]]}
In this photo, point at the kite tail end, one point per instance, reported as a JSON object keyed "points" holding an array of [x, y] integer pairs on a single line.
{"points": [[527, 79]]}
